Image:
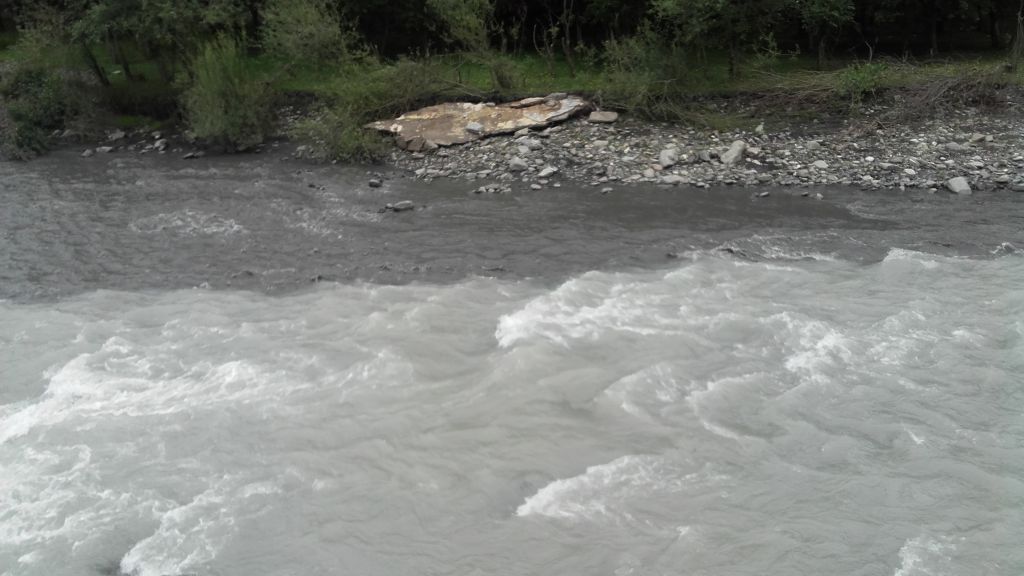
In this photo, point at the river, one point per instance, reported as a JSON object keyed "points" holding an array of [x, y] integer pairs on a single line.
{"points": [[241, 367]]}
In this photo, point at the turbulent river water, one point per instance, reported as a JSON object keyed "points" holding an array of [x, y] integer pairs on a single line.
{"points": [[240, 367]]}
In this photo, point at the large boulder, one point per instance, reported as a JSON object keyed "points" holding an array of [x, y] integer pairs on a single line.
{"points": [[959, 185], [461, 122]]}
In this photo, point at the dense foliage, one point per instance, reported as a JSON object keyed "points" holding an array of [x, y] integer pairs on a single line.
{"points": [[195, 58]]}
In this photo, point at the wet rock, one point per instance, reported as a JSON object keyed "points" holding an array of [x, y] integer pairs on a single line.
{"points": [[603, 117], [820, 165], [956, 147], [548, 172], [959, 186], [161, 144], [493, 189], [403, 206], [813, 145], [735, 153], [673, 179], [116, 135], [375, 183], [1017, 186], [195, 154], [104, 149], [88, 153], [607, 190]]}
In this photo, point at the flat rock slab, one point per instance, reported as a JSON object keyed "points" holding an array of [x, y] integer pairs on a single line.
{"points": [[462, 122]]}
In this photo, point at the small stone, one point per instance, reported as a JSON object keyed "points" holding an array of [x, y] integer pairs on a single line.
{"points": [[161, 144], [764, 194], [673, 179], [959, 185], [116, 135], [104, 149], [532, 144], [1017, 186], [88, 153], [607, 190], [403, 206], [375, 183], [548, 171], [977, 138], [910, 172], [535, 187], [603, 117], [820, 165], [814, 145], [668, 158], [517, 164], [649, 173], [475, 128], [735, 153], [956, 147], [193, 155]]}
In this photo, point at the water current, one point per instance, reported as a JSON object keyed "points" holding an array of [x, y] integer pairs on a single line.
{"points": [[239, 367]]}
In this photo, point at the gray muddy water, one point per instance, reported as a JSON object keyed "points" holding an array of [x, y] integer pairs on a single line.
{"points": [[239, 367]]}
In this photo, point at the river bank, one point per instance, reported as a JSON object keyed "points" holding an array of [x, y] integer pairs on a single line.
{"points": [[983, 148]]}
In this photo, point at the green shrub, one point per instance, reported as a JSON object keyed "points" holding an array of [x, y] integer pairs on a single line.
{"points": [[226, 102], [856, 82], [643, 75], [307, 32], [37, 102], [338, 134]]}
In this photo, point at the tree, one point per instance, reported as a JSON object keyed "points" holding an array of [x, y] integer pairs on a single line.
{"points": [[824, 17]]}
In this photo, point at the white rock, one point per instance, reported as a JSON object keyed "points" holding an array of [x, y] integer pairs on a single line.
{"points": [[88, 153], [813, 145], [532, 143], [910, 172], [820, 165], [517, 164], [105, 149], [959, 185], [474, 128], [668, 158], [548, 172], [673, 179], [603, 117], [735, 153]]}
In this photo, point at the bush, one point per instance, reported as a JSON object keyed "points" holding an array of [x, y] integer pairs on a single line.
{"points": [[307, 31], [858, 81], [382, 90], [37, 102], [226, 102], [643, 75], [338, 134]]}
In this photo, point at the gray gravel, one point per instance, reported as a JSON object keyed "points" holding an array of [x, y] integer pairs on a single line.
{"points": [[986, 151]]}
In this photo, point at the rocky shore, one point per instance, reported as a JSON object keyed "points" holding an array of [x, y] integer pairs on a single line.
{"points": [[965, 152]]}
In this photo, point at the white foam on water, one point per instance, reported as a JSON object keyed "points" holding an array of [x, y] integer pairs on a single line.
{"points": [[925, 556], [584, 308], [605, 490], [189, 222], [191, 535]]}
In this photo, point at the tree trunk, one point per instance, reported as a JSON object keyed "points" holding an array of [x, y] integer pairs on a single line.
{"points": [[933, 29], [821, 52], [994, 33], [97, 70]]}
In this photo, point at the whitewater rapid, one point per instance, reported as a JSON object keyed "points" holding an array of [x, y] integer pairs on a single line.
{"points": [[791, 414]]}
